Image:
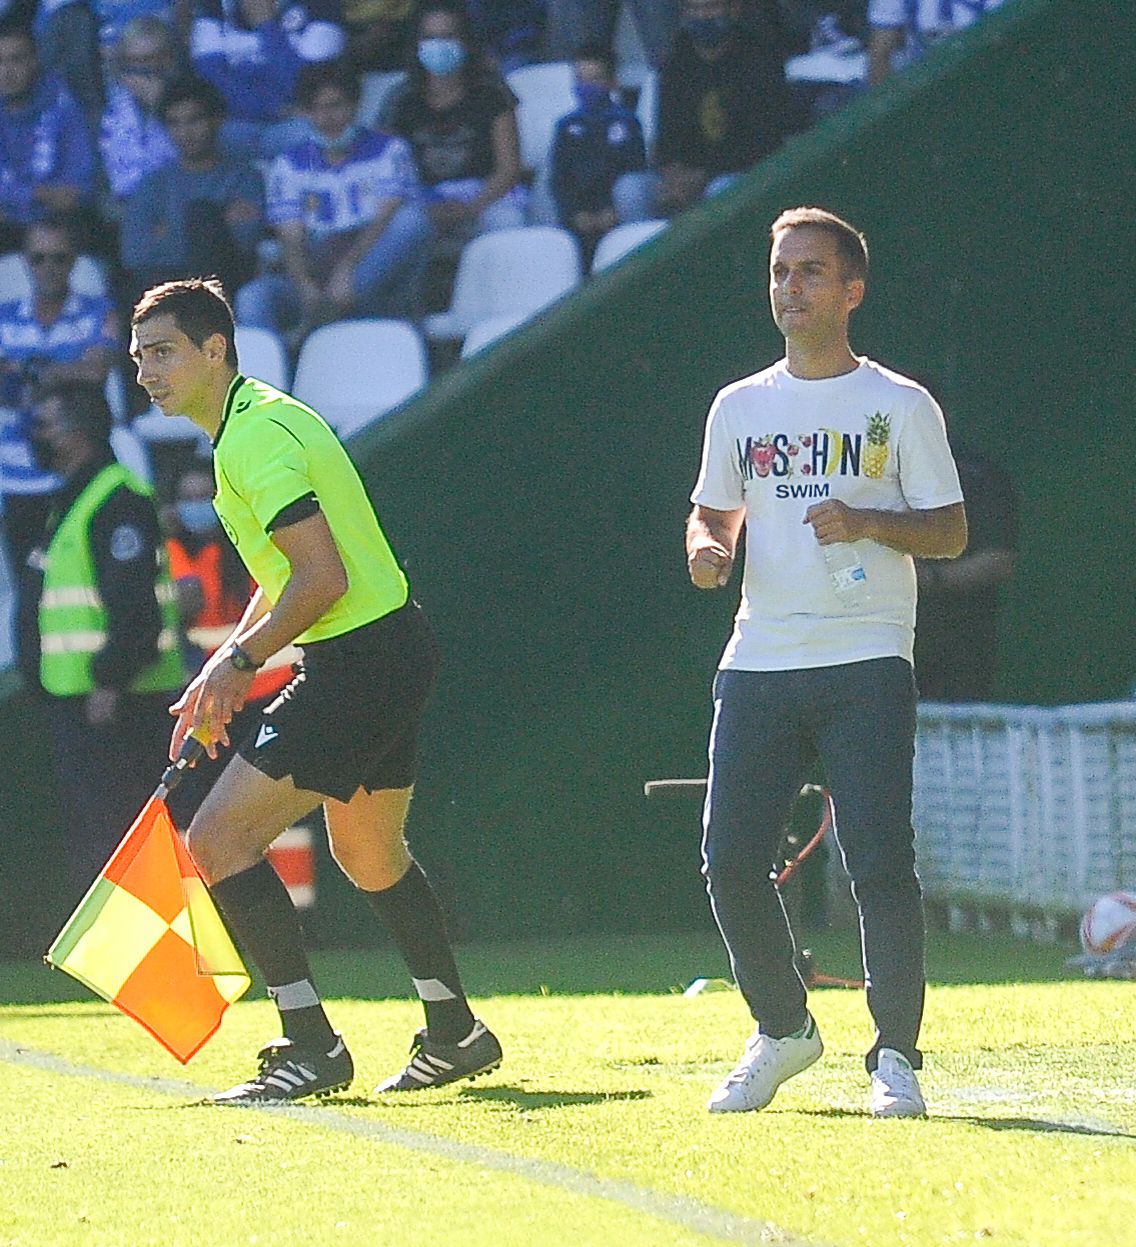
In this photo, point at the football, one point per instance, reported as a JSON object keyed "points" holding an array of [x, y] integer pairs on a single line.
{"points": [[1109, 923]]}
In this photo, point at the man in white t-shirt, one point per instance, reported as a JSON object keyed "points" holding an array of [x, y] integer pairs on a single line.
{"points": [[902, 30], [840, 472]]}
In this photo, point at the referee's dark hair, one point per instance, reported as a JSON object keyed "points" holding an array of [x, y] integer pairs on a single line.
{"points": [[851, 245], [82, 406], [199, 308]]}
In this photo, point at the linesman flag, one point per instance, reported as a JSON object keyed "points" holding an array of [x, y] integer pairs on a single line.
{"points": [[148, 938]]}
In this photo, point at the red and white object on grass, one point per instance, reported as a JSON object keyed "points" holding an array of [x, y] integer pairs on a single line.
{"points": [[293, 860], [1109, 924]]}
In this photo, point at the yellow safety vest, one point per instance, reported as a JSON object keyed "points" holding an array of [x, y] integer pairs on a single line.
{"points": [[72, 617]]}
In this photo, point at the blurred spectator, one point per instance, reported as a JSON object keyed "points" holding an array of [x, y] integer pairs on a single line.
{"points": [[380, 33], [49, 335], [132, 139], [956, 634], [460, 120], [574, 22], [902, 30], [203, 212], [723, 106], [113, 16], [211, 584], [20, 11], [98, 627], [47, 156], [210, 581], [510, 30], [253, 51], [346, 208], [66, 35], [591, 148]]}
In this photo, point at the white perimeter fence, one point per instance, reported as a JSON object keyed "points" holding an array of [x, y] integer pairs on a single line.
{"points": [[1025, 811]]}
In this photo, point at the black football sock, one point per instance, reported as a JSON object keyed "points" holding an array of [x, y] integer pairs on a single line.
{"points": [[260, 914], [410, 912]]}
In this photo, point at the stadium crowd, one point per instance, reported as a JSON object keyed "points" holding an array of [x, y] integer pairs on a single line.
{"points": [[335, 159]]}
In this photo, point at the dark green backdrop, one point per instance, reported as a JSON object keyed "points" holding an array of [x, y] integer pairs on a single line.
{"points": [[538, 494]]}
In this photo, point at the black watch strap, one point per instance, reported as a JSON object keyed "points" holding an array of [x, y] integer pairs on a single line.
{"points": [[241, 661]]}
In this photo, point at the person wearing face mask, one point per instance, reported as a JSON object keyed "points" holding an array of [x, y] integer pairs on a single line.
{"points": [[211, 584], [591, 148], [97, 626], [723, 105], [460, 119], [345, 205]]}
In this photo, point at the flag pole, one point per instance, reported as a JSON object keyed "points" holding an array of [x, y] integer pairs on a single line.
{"points": [[189, 753]]}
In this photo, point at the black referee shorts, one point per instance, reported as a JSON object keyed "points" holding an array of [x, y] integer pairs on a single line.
{"points": [[352, 715]]}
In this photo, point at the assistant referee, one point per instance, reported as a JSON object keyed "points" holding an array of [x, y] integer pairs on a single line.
{"points": [[343, 734]]}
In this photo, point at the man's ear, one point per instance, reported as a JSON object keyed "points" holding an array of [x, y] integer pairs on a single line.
{"points": [[856, 290], [215, 348]]}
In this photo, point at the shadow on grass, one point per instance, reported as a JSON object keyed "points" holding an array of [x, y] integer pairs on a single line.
{"points": [[1042, 1126], [1034, 1125], [534, 1100], [523, 1098]]}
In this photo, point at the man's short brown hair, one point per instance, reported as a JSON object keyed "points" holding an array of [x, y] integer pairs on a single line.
{"points": [[851, 245], [199, 308]]}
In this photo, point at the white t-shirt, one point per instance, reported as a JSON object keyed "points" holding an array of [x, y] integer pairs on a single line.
{"points": [[777, 445]]}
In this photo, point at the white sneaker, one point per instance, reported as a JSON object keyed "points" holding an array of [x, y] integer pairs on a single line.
{"points": [[895, 1089], [765, 1065]]}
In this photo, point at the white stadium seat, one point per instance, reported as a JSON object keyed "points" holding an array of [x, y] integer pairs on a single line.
{"points": [[545, 94], [87, 277], [487, 331], [509, 271], [154, 428], [617, 242], [353, 371], [261, 354]]}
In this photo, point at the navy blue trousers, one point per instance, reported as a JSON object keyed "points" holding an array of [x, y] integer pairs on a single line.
{"points": [[769, 726]]}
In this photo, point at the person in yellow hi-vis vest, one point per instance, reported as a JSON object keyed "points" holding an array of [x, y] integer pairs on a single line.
{"points": [[98, 626]]}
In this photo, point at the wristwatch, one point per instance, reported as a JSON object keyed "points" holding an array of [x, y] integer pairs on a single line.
{"points": [[241, 661]]}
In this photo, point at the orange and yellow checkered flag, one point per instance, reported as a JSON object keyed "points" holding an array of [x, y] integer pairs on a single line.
{"points": [[148, 938]]}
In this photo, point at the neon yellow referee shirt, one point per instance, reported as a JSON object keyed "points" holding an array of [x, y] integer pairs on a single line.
{"points": [[271, 451]]}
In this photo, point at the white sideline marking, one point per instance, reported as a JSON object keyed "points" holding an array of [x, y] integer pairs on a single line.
{"points": [[676, 1209]]}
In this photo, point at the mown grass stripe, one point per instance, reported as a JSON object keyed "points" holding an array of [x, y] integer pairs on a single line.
{"points": [[674, 1209]]}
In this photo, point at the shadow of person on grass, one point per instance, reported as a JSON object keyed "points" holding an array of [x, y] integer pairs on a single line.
{"points": [[1040, 1125], [516, 1097]]}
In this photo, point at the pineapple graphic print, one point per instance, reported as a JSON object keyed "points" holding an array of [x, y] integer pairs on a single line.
{"points": [[876, 451]]}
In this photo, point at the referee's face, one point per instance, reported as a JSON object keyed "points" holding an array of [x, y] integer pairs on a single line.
{"points": [[177, 374]]}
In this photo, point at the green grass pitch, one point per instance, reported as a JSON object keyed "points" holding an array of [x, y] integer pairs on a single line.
{"points": [[594, 1130]]}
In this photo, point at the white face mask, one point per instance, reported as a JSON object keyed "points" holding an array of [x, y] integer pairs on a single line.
{"points": [[441, 56], [197, 515]]}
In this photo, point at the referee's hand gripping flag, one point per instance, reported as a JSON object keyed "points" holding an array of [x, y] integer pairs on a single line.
{"points": [[147, 937]]}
